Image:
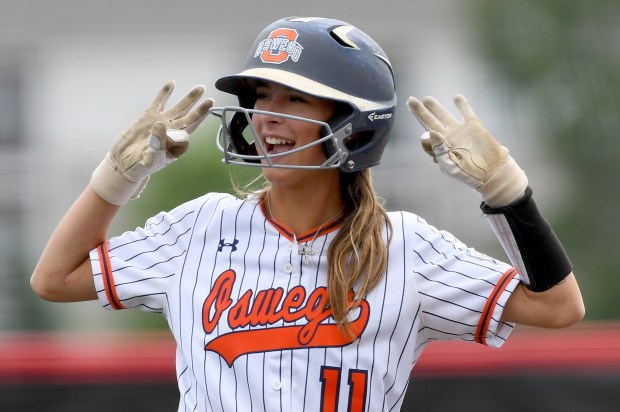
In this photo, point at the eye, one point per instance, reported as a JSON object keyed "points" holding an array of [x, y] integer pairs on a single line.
{"points": [[262, 93], [297, 99]]}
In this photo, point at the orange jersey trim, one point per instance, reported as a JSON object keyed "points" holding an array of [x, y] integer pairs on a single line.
{"points": [[108, 277], [487, 312], [285, 231]]}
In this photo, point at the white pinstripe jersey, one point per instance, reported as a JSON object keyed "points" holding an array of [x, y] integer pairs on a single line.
{"points": [[249, 315]]}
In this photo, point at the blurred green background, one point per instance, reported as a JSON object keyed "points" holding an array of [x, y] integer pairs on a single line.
{"points": [[545, 74], [563, 59]]}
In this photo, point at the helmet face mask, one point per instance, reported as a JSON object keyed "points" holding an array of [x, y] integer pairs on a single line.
{"points": [[326, 58], [239, 141]]}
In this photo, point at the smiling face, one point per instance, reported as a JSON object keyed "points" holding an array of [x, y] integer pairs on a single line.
{"points": [[280, 135]]}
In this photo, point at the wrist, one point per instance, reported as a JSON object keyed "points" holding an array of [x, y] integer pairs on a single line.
{"points": [[506, 186], [111, 186]]}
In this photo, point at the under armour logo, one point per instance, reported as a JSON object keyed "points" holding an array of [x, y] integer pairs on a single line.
{"points": [[223, 243]]}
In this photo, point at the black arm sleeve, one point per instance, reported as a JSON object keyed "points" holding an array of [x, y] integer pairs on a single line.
{"points": [[530, 243]]}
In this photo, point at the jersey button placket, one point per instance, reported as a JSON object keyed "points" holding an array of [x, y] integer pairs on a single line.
{"points": [[289, 267]]}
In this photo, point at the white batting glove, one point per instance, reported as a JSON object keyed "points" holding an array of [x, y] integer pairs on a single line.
{"points": [[467, 151], [154, 140]]}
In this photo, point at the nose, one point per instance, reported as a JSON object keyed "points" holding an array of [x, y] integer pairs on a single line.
{"points": [[274, 108]]}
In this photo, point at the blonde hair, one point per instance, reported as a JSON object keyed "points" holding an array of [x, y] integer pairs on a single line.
{"points": [[358, 254]]}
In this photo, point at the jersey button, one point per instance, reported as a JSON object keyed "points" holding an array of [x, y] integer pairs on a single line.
{"points": [[290, 246], [288, 268], [277, 385]]}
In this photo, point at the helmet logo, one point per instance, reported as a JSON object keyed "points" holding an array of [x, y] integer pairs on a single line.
{"points": [[374, 116], [279, 47]]}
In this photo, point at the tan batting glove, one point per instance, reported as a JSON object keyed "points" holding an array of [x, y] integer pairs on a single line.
{"points": [[154, 140], [467, 151]]}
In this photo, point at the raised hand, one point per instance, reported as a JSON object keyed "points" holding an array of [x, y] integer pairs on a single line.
{"points": [[154, 140], [465, 150]]}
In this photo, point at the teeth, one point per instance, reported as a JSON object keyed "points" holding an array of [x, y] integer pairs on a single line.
{"points": [[277, 140]]}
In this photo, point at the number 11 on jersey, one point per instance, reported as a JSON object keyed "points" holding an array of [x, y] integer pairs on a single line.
{"points": [[330, 377]]}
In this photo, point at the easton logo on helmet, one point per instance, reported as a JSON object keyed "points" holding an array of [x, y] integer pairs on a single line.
{"points": [[374, 116], [279, 47]]}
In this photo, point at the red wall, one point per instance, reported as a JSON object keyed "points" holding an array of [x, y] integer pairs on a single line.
{"points": [[575, 366]]}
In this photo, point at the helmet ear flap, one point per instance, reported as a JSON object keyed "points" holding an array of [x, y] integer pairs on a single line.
{"points": [[238, 123]]}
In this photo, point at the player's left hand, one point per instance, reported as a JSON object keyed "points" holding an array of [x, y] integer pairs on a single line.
{"points": [[467, 151]]}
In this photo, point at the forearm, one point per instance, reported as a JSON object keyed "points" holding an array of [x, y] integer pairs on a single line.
{"points": [[549, 295], [155, 139], [84, 227]]}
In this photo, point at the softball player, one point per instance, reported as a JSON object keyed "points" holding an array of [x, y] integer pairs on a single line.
{"points": [[307, 295]]}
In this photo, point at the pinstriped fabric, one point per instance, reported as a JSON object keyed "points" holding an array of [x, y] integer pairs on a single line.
{"points": [[250, 319]]}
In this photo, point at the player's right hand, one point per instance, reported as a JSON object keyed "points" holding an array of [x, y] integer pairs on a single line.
{"points": [[154, 140]]}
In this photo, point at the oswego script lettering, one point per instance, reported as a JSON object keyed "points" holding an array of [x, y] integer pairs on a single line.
{"points": [[268, 308]]}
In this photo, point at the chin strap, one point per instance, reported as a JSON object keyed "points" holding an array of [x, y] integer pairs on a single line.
{"points": [[530, 243]]}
